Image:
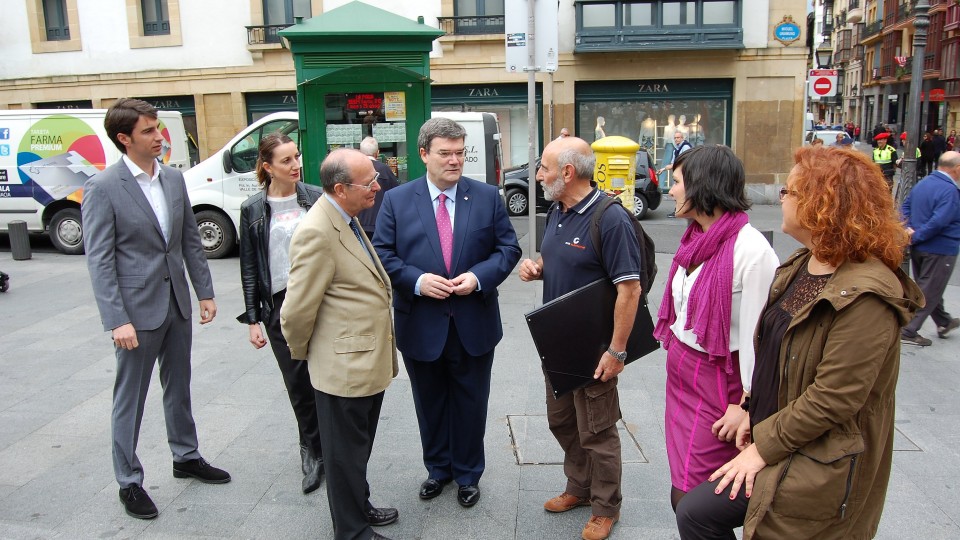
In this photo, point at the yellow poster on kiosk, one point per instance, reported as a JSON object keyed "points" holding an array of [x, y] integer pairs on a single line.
{"points": [[615, 171]]}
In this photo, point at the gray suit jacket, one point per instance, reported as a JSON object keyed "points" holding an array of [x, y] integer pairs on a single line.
{"points": [[131, 266]]}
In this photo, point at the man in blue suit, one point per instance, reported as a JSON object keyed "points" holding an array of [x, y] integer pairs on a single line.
{"points": [[447, 243]]}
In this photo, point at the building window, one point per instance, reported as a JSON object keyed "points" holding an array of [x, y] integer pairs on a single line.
{"points": [[156, 17], [282, 12], [474, 17], [55, 18], [610, 25]]}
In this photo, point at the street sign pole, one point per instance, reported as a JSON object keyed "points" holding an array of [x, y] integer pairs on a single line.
{"points": [[531, 130]]}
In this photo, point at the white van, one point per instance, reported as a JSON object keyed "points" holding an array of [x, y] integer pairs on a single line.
{"points": [[219, 184], [46, 155]]}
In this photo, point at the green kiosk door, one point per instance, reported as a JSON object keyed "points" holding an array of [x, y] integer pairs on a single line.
{"points": [[361, 72]]}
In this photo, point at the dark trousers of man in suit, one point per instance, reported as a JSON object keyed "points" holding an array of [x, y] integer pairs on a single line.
{"points": [[348, 427], [168, 346], [296, 377], [450, 396]]}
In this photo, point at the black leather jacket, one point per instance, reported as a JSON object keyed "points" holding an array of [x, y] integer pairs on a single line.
{"points": [[254, 251]]}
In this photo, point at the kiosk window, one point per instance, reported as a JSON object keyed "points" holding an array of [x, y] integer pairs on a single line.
{"points": [[350, 117]]}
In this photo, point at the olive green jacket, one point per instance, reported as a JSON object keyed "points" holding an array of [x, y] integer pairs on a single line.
{"points": [[829, 448]]}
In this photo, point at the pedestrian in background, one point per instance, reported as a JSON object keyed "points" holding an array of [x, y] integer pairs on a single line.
{"points": [[268, 220], [140, 236], [828, 357], [336, 317], [932, 214], [714, 294], [387, 181], [885, 156], [584, 421]]}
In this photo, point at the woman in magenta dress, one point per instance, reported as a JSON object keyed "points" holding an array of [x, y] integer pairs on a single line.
{"points": [[715, 292]]}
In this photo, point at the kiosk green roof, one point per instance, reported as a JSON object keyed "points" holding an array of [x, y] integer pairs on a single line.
{"points": [[357, 19]]}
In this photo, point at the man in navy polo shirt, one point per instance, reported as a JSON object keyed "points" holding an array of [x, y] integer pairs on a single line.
{"points": [[584, 421]]}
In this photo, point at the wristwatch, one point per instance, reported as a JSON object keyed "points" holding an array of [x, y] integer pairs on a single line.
{"points": [[620, 356]]}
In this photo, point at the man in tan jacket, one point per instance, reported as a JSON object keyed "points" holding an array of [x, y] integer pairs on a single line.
{"points": [[336, 316]]}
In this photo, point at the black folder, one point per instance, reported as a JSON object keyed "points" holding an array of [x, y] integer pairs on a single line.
{"points": [[573, 331]]}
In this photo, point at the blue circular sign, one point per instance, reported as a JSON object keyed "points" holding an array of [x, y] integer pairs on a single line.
{"points": [[787, 32]]}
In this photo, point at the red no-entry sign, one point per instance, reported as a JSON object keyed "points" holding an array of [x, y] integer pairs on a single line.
{"points": [[823, 82]]}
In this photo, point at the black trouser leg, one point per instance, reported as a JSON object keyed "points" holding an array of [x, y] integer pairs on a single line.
{"points": [[296, 377], [704, 515]]}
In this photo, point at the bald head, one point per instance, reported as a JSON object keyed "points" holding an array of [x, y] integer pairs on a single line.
{"points": [[949, 164], [339, 166], [572, 151]]}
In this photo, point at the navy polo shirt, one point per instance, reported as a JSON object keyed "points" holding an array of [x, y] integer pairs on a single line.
{"points": [[569, 259]]}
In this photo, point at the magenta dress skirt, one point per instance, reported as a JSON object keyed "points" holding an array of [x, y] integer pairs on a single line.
{"points": [[698, 392]]}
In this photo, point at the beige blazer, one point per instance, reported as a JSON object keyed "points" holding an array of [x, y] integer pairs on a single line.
{"points": [[336, 313]]}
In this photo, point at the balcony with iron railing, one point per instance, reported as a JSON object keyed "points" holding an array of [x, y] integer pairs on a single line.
{"points": [[872, 29], [472, 26], [264, 34]]}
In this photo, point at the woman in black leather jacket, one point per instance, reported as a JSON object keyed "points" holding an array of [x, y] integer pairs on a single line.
{"points": [[267, 222]]}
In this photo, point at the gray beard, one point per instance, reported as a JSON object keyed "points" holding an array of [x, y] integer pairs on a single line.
{"points": [[554, 192]]}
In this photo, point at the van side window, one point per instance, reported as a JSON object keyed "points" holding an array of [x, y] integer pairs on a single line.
{"points": [[244, 153]]}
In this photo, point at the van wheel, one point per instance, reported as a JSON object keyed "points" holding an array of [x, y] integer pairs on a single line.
{"points": [[640, 206], [216, 234], [516, 202], [66, 232]]}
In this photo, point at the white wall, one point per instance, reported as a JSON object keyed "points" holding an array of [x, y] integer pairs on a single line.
{"points": [[213, 36], [756, 23]]}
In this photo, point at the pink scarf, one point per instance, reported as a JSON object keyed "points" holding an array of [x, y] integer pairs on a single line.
{"points": [[711, 297]]}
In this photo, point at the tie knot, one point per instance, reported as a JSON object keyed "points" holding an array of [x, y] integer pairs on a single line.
{"points": [[443, 198]]}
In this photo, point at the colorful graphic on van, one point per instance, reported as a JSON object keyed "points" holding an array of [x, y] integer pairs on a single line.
{"points": [[167, 145], [56, 156]]}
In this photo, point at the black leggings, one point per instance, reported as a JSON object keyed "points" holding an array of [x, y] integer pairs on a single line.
{"points": [[703, 515]]}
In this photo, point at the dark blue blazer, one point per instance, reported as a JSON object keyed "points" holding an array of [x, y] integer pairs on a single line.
{"points": [[408, 244]]}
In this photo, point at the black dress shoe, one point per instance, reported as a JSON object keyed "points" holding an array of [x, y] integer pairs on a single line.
{"points": [[468, 496], [201, 470], [378, 537], [379, 517], [137, 503], [430, 488], [312, 469]]}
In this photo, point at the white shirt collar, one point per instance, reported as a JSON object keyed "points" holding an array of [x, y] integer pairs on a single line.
{"points": [[435, 192], [346, 217], [136, 171]]}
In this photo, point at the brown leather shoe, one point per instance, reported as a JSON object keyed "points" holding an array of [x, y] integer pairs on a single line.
{"points": [[599, 527], [564, 502]]}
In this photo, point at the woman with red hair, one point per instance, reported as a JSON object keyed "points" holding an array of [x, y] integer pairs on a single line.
{"points": [[818, 443]]}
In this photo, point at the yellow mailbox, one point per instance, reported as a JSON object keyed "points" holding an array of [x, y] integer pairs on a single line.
{"points": [[615, 171]]}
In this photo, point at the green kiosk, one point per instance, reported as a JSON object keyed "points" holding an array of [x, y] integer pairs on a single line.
{"points": [[362, 71]]}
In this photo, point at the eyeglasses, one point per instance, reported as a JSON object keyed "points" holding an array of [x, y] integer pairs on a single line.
{"points": [[376, 176], [445, 154], [784, 192]]}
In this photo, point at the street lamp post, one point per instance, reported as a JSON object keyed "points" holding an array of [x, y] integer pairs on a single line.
{"points": [[908, 171]]}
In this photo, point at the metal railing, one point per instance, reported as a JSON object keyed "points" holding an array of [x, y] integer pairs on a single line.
{"points": [[872, 29], [482, 24], [264, 34]]}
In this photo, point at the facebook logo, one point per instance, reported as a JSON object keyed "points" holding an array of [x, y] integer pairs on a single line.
{"points": [[4, 150], [4, 133]]}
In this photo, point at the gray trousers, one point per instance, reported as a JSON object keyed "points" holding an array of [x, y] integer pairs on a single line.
{"points": [[932, 273], [169, 345]]}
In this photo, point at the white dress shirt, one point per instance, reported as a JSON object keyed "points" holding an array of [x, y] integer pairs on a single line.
{"points": [[153, 191], [754, 266]]}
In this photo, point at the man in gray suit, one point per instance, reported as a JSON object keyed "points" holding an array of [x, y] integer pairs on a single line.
{"points": [[140, 232]]}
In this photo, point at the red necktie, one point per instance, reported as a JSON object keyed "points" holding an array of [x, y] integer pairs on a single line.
{"points": [[445, 230]]}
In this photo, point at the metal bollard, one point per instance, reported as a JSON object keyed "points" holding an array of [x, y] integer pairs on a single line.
{"points": [[19, 240]]}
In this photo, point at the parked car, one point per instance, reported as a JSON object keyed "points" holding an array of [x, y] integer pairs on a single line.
{"points": [[646, 195], [828, 136]]}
